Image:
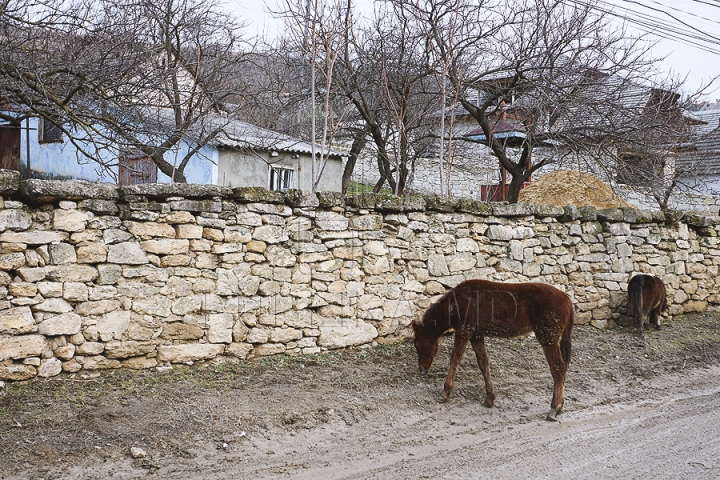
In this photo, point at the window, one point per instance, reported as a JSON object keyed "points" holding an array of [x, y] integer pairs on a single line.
{"points": [[281, 178], [49, 132]]}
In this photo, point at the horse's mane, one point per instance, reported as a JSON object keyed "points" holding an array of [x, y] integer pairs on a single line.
{"points": [[431, 309]]}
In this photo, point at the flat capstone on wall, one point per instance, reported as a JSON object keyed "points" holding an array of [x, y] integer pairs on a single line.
{"points": [[95, 276]]}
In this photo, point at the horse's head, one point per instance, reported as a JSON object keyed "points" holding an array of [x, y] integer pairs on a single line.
{"points": [[426, 344]]}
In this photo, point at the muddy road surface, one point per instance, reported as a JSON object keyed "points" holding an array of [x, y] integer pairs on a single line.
{"points": [[633, 409]]}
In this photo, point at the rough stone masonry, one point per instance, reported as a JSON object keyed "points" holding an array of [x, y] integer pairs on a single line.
{"points": [[96, 276]]}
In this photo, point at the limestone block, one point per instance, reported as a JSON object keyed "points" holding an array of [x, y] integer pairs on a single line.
{"points": [[166, 246], [17, 372], [98, 362], [90, 349], [270, 234], [467, 245], [21, 346], [127, 253], [187, 353], [49, 367], [113, 324], [75, 292], [239, 350], [92, 253], [220, 328], [53, 305], [206, 260], [181, 331], [437, 266], [214, 234], [65, 352], [366, 222], [331, 221], [158, 305], [499, 232], [257, 335], [109, 274], [31, 275], [186, 304], [12, 261], [15, 219], [179, 217], [188, 231], [114, 235], [150, 229], [269, 349], [70, 220], [338, 333], [285, 335], [64, 324], [249, 219], [127, 349], [97, 307], [15, 321], [461, 262], [36, 237], [280, 257], [22, 289]]}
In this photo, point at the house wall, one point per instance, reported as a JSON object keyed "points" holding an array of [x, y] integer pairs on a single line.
{"points": [[59, 160], [63, 161], [141, 276], [239, 169]]}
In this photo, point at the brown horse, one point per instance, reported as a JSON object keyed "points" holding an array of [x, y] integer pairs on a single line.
{"points": [[647, 298], [476, 309]]}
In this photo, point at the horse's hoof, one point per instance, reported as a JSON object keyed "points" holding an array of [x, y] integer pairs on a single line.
{"points": [[487, 403], [444, 397], [552, 416]]}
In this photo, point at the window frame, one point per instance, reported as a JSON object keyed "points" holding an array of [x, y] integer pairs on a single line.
{"points": [[274, 171], [49, 135]]}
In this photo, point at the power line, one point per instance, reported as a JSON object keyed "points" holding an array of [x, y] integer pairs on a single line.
{"points": [[656, 26]]}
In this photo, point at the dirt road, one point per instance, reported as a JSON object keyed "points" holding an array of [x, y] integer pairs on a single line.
{"points": [[633, 410]]}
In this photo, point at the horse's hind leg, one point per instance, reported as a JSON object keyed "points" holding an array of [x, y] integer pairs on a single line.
{"points": [[558, 370], [455, 358], [478, 345], [655, 317]]}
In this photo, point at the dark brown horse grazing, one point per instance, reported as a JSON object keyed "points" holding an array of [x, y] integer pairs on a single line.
{"points": [[478, 308], [646, 299]]}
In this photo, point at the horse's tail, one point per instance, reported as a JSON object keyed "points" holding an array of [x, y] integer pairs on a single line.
{"points": [[635, 295], [565, 344]]}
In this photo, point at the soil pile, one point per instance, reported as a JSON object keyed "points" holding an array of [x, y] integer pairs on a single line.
{"points": [[564, 187]]}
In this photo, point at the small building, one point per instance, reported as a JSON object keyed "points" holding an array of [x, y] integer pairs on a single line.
{"points": [[243, 155]]}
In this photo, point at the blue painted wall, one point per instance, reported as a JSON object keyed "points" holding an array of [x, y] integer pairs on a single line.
{"points": [[63, 161]]}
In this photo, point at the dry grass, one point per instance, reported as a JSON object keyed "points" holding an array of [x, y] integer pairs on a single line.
{"points": [[563, 187]]}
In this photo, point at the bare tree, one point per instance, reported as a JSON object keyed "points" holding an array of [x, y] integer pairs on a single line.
{"points": [[551, 74], [139, 76], [387, 79], [316, 32]]}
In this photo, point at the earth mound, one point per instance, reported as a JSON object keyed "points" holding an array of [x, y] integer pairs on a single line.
{"points": [[565, 187]]}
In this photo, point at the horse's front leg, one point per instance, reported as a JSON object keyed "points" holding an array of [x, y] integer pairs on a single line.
{"points": [[558, 370], [461, 339], [478, 345]]}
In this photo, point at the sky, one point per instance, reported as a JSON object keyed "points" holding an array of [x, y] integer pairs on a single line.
{"points": [[659, 18]]}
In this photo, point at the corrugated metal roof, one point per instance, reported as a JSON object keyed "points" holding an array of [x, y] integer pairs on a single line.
{"points": [[242, 135]]}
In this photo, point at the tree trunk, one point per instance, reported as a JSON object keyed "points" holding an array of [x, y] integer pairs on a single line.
{"points": [[357, 147]]}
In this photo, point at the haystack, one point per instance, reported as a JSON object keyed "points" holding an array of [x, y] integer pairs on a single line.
{"points": [[564, 187]]}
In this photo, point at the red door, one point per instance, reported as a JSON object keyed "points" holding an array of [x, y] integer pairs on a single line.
{"points": [[136, 169], [10, 148]]}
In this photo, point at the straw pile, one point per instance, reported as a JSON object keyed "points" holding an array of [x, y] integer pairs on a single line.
{"points": [[563, 187]]}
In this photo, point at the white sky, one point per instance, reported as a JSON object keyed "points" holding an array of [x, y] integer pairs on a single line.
{"points": [[682, 60]]}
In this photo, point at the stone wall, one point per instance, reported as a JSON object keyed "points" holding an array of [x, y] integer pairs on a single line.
{"points": [[95, 276]]}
